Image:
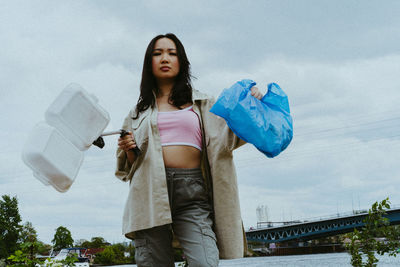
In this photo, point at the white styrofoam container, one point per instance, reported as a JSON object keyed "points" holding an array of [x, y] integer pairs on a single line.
{"points": [[77, 116], [53, 159]]}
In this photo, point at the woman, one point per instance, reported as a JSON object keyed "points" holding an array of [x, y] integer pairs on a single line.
{"points": [[183, 182]]}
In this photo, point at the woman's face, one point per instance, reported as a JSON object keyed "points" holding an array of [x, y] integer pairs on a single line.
{"points": [[165, 63]]}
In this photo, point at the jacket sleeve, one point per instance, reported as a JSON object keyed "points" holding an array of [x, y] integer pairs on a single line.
{"points": [[230, 140], [235, 140], [220, 131], [124, 170]]}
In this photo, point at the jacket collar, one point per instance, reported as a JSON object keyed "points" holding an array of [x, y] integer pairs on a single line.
{"points": [[197, 95]]}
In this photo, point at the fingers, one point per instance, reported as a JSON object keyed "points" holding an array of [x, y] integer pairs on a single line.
{"points": [[256, 93], [126, 145], [127, 142]]}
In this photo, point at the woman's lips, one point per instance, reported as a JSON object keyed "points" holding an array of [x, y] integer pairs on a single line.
{"points": [[165, 68]]}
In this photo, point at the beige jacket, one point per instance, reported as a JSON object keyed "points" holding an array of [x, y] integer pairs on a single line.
{"points": [[147, 204]]}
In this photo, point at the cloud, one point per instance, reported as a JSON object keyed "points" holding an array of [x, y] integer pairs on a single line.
{"points": [[345, 142], [338, 66]]}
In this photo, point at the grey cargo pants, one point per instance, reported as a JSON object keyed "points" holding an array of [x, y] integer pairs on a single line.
{"points": [[191, 224]]}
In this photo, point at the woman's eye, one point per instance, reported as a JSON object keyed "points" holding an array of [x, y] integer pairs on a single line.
{"points": [[156, 54], [172, 54]]}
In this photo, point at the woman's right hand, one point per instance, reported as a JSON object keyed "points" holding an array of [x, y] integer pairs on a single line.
{"points": [[127, 142]]}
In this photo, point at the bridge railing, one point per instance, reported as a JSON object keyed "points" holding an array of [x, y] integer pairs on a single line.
{"points": [[317, 218]]}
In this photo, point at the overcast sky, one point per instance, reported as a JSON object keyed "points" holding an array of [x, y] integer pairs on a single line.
{"points": [[338, 61]]}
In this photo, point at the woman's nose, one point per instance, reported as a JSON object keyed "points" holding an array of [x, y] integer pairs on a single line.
{"points": [[164, 58]]}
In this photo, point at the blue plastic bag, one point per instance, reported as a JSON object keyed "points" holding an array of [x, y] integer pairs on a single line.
{"points": [[265, 123]]}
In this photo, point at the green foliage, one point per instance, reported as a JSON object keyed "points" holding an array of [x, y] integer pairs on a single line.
{"points": [[18, 243], [25, 256], [110, 255], [96, 242], [28, 233], [43, 249], [28, 237], [70, 260], [178, 254], [19, 258], [62, 238], [131, 250], [183, 264], [364, 243], [9, 226], [115, 255]]}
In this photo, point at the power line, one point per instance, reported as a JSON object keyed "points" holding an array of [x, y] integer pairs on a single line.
{"points": [[333, 149], [348, 127], [379, 116], [83, 186], [99, 162]]}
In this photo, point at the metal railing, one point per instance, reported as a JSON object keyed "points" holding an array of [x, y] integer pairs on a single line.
{"points": [[268, 224]]}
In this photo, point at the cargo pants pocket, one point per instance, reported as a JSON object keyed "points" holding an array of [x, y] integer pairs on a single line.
{"points": [[210, 246], [142, 253]]}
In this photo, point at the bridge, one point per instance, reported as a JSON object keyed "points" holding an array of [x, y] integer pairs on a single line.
{"points": [[313, 229]]}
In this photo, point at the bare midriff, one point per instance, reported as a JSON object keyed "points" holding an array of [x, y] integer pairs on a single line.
{"points": [[185, 157]]}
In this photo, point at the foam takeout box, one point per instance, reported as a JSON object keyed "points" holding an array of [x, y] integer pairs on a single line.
{"points": [[55, 148]]}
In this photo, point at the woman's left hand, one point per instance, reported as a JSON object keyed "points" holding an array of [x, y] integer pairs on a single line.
{"points": [[256, 93]]}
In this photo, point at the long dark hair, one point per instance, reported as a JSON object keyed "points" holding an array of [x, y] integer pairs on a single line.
{"points": [[181, 92]]}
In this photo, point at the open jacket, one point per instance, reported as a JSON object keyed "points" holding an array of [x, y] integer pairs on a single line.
{"points": [[147, 205]]}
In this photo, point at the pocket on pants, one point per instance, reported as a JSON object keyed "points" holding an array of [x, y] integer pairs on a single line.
{"points": [[142, 253], [210, 246]]}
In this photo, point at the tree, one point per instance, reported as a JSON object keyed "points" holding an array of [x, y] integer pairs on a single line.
{"points": [[29, 242], [28, 233], [112, 255], [28, 238], [108, 256], [131, 250], [96, 242], [86, 244], [21, 259], [44, 249], [364, 241], [79, 242], [9, 226], [62, 238]]}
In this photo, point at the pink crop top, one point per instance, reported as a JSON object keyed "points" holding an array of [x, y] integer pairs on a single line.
{"points": [[180, 127]]}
